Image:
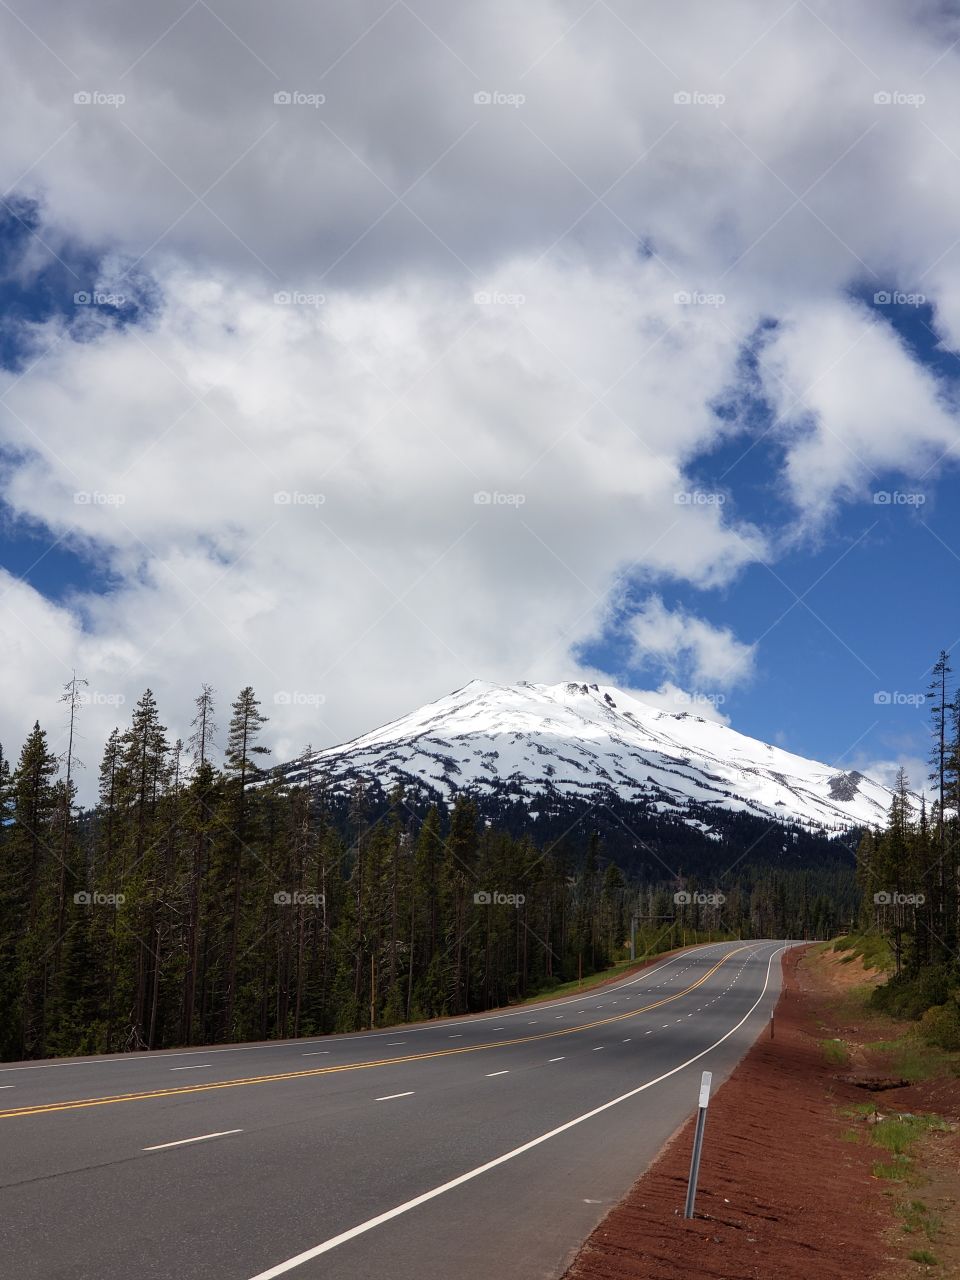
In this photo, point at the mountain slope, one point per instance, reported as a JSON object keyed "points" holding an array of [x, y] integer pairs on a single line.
{"points": [[583, 741]]}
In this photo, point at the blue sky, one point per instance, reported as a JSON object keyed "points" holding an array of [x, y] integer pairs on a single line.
{"points": [[355, 376], [862, 607]]}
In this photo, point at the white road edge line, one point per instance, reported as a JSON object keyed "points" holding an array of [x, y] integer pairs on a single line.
{"points": [[556, 1059], [309, 1254], [491, 1074], [204, 1137], [390, 1096]]}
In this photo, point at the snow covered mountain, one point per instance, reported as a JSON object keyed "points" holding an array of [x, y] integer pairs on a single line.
{"points": [[583, 740]]}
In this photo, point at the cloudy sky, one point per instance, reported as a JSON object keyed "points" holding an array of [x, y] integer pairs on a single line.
{"points": [[356, 351]]}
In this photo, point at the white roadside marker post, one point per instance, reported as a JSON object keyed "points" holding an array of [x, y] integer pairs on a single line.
{"points": [[705, 1081]]}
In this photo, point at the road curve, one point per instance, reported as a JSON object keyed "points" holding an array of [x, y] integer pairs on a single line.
{"points": [[475, 1147]]}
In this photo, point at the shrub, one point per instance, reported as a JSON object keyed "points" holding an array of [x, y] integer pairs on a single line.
{"points": [[910, 997], [941, 1026]]}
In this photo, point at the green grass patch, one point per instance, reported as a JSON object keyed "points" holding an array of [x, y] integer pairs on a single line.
{"points": [[924, 1256], [898, 1170], [898, 1135], [589, 980], [871, 948], [835, 1051], [912, 1058], [917, 1218], [859, 1110]]}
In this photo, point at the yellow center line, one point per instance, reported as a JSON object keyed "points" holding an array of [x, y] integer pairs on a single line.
{"points": [[206, 1087]]}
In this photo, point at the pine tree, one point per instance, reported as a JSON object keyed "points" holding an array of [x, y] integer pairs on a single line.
{"points": [[143, 776], [938, 694], [242, 770], [28, 896]]}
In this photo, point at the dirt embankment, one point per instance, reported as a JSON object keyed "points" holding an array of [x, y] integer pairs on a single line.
{"points": [[785, 1193]]}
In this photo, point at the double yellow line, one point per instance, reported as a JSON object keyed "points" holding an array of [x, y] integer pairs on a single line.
{"points": [[78, 1104]]}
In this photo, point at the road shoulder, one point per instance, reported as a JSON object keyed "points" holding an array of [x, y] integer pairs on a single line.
{"points": [[782, 1191]]}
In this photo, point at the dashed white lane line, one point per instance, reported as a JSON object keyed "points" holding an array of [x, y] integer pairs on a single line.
{"points": [[123, 1058], [182, 1142], [397, 1211], [598, 1047], [198, 1066], [316, 1053], [533, 1023], [556, 1059], [391, 1043], [628, 1039], [665, 1026], [648, 1033], [7, 1086], [389, 1097], [458, 1036], [491, 1074]]}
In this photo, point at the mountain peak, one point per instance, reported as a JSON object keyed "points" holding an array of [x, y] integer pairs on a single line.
{"points": [[583, 740]]}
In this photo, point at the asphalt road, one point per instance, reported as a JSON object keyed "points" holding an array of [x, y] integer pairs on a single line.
{"points": [[474, 1148]]}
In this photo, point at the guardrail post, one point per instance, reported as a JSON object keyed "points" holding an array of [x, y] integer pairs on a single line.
{"points": [[705, 1081]]}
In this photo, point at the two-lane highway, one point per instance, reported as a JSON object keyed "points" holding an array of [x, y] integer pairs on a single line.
{"points": [[474, 1147]]}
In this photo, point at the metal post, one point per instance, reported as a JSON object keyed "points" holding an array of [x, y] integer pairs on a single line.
{"points": [[771, 1026], [633, 936], [705, 1081]]}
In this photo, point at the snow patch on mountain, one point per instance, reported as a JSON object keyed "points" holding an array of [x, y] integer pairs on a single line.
{"points": [[584, 740]]}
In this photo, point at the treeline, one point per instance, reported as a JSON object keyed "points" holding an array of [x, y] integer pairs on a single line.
{"points": [[202, 902], [909, 874], [207, 900], [762, 902]]}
